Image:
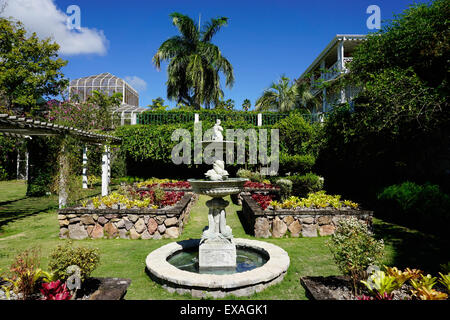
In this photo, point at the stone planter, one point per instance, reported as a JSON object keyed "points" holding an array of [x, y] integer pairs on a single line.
{"points": [[144, 223], [109, 288], [295, 223], [327, 288]]}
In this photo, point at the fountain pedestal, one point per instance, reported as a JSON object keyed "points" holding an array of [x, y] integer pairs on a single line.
{"points": [[217, 249]]}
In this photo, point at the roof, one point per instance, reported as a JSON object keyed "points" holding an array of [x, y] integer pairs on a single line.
{"points": [[100, 80], [21, 127], [127, 108], [336, 39]]}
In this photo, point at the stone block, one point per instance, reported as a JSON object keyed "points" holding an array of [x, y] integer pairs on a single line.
{"points": [[309, 230], [295, 228], [326, 230], [324, 220], [87, 219], [217, 254], [77, 232], [140, 225], [152, 225], [279, 228], [97, 232], [172, 232], [262, 228], [111, 230], [171, 222]]}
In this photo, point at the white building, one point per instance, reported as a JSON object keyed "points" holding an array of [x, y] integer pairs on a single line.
{"points": [[328, 66]]}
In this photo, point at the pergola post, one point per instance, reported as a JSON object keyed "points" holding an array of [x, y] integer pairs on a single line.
{"points": [[260, 120], [84, 173], [63, 169], [105, 170]]}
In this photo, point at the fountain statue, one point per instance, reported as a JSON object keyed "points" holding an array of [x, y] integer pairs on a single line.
{"points": [[217, 248]]}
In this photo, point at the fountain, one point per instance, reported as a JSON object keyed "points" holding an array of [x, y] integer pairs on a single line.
{"points": [[216, 262]]}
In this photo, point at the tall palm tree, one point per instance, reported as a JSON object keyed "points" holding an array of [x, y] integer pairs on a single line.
{"points": [[194, 62], [285, 96]]}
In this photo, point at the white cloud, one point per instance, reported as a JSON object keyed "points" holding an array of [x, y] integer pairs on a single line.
{"points": [[136, 82], [44, 18]]}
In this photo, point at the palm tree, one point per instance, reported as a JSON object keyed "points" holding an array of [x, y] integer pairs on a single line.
{"points": [[246, 105], [285, 96], [194, 63]]}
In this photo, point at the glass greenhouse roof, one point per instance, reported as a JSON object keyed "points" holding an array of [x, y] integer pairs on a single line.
{"points": [[104, 82]]}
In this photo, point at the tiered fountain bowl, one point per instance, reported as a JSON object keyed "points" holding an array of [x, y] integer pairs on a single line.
{"points": [[217, 264]]}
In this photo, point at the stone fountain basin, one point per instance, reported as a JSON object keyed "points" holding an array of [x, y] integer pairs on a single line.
{"points": [[218, 189], [215, 285]]}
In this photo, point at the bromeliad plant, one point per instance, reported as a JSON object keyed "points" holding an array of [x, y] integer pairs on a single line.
{"points": [[316, 200], [55, 290], [382, 284]]}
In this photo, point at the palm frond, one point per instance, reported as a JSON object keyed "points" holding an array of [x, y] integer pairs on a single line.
{"points": [[212, 27]]}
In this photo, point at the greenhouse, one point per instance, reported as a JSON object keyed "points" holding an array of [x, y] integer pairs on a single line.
{"points": [[106, 83]]}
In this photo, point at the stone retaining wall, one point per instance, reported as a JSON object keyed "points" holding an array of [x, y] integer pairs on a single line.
{"points": [[145, 223], [295, 223]]}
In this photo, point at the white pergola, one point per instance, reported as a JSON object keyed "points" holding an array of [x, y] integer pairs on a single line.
{"points": [[127, 113], [17, 127]]}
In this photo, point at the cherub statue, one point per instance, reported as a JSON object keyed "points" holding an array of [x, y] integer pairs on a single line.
{"points": [[218, 172], [217, 132]]}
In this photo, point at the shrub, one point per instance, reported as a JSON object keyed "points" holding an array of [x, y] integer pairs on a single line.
{"points": [[295, 134], [304, 184], [252, 176], [63, 256], [295, 164], [354, 249], [427, 204], [285, 188]]}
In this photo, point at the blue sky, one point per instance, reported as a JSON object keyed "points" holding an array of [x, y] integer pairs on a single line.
{"points": [[263, 40]]}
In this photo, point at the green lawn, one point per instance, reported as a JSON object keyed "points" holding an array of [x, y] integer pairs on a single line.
{"points": [[27, 222]]}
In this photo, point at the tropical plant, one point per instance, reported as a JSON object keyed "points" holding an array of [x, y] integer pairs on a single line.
{"points": [[246, 105], [55, 290], [445, 280], [285, 95], [382, 284], [194, 62], [26, 273]]}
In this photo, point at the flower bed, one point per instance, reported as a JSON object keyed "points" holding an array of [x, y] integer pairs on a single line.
{"points": [[265, 218], [255, 188], [146, 216], [391, 284]]}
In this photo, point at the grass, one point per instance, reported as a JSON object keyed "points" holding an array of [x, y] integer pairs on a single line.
{"points": [[27, 222]]}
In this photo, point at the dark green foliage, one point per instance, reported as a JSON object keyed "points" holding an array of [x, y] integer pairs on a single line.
{"points": [[400, 127], [66, 255], [304, 184], [7, 158], [29, 68], [296, 164], [425, 206], [43, 164], [296, 134]]}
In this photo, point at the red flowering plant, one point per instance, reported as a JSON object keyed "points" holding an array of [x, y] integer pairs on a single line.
{"points": [[55, 290], [262, 200], [259, 185]]}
